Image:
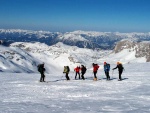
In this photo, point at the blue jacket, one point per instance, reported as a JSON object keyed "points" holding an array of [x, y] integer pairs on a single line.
{"points": [[107, 67]]}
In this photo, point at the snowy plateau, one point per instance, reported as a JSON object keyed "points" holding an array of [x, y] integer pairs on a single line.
{"points": [[21, 91]]}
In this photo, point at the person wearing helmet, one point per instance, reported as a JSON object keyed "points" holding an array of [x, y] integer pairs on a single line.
{"points": [[106, 70], [120, 69]]}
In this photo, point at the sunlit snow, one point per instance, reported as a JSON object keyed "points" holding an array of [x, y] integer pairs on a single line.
{"points": [[21, 91]]}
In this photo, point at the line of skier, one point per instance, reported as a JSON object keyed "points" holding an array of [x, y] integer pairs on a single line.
{"points": [[83, 69], [95, 69]]}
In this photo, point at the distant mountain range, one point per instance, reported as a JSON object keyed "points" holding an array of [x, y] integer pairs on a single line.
{"points": [[82, 39]]}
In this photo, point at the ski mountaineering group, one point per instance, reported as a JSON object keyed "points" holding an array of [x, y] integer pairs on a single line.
{"points": [[83, 69]]}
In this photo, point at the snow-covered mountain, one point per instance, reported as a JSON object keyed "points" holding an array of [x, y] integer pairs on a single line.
{"points": [[24, 56], [82, 39], [21, 56], [29, 48], [16, 60], [16, 35], [22, 93], [141, 49]]}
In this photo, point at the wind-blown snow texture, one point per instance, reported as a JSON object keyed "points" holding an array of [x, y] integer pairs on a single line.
{"points": [[22, 93]]}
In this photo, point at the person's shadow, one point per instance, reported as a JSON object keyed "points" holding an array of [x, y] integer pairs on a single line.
{"points": [[55, 80]]}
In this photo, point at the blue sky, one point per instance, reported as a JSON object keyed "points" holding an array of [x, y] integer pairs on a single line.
{"points": [[70, 15]]}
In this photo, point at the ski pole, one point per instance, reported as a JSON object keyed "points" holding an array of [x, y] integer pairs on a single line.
{"points": [[61, 77], [102, 77], [112, 73], [92, 74]]}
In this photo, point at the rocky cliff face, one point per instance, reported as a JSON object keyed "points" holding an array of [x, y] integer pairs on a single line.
{"points": [[142, 49]]}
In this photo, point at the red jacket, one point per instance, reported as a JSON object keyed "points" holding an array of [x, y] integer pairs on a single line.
{"points": [[95, 68], [77, 69]]}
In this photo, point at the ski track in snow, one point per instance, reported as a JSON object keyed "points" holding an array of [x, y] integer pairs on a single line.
{"points": [[22, 93]]}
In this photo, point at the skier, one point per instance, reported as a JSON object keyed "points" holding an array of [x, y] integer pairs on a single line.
{"points": [[41, 69], [77, 70], [120, 69], [106, 70], [66, 70], [83, 71], [95, 68]]}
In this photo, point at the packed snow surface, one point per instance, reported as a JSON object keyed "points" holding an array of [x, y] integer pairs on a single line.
{"points": [[22, 93]]}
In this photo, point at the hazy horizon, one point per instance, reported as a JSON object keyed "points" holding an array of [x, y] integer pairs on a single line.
{"points": [[71, 15]]}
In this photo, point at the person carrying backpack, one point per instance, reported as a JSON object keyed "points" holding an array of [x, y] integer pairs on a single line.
{"points": [[95, 68], [77, 70], [106, 70], [120, 69], [83, 71], [66, 70], [41, 69]]}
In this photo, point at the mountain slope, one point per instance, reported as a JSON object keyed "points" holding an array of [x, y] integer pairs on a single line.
{"points": [[60, 54], [16, 60], [141, 49], [24, 57]]}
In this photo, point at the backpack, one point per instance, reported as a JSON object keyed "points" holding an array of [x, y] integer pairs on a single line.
{"points": [[68, 69], [38, 67], [108, 65], [121, 66], [96, 66], [84, 69]]}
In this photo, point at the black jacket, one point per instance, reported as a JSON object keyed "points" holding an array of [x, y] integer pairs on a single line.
{"points": [[120, 67], [41, 68], [83, 69]]}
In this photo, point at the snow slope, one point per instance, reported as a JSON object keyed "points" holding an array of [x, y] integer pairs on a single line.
{"points": [[59, 55], [22, 93], [13, 59], [125, 56], [24, 57]]}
